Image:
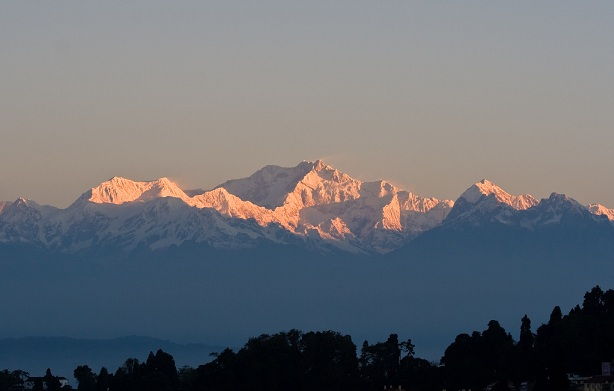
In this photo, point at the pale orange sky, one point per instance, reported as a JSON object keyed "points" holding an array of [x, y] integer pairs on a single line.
{"points": [[430, 95]]}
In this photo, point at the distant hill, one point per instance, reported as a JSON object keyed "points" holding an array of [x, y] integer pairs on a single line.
{"points": [[62, 354]]}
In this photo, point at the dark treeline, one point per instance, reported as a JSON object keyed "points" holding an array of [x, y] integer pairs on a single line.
{"points": [[574, 343]]}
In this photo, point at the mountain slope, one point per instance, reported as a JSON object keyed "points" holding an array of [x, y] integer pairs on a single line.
{"points": [[485, 188], [485, 199], [269, 186], [232, 206]]}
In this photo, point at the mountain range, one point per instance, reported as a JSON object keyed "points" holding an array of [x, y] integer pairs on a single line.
{"points": [[311, 206]]}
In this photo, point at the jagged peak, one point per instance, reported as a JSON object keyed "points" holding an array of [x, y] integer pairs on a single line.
{"points": [[211, 197], [481, 188], [271, 186], [165, 180], [378, 188], [218, 190], [22, 200], [20, 203], [562, 202], [319, 170], [601, 210], [319, 165], [326, 173], [119, 190], [485, 188], [560, 198], [316, 165], [21, 207], [215, 197], [118, 178], [121, 179], [230, 205]]}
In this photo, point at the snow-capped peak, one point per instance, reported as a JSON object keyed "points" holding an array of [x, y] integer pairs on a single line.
{"points": [[22, 201], [598, 209], [230, 205], [268, 186], [377, 189], [486, 188], [118, 190], [316, 197], [311, 182], [319, 165]]}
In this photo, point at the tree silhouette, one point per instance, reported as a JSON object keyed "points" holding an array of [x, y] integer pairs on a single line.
{"points": [[103, 380], [51, 382], [525, 359], [10, 380], [85, 378]]}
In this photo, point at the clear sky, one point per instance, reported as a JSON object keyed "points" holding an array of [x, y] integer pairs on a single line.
{"points": [[431, 95]]}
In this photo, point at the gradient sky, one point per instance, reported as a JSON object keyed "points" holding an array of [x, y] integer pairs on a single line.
{"points": [[431, 95]]}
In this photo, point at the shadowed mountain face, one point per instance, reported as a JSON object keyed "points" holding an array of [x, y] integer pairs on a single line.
{"points": [[306, 247], [557, 227]]}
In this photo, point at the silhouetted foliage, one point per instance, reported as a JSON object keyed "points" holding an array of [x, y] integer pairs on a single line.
{"points": [[476, 360], [380, 363], [574, 343], [85, 378], [103, 380], [10, 380], [525, 358], [284, 361], [51, 382], [577, 342]]}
